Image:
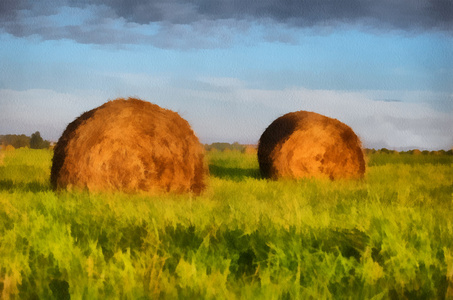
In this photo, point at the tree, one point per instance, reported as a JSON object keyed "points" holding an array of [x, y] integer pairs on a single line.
{"points": [[17, 141], [36, 141]]}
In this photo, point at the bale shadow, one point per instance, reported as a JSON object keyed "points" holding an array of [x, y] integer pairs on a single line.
{"points": [[34, 186], [235, 174]]}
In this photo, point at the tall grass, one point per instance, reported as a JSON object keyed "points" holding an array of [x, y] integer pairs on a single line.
{"points": [[25, 169], [387, 236]]}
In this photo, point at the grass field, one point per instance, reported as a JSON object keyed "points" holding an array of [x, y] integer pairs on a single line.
{"points": [[389, 236]]}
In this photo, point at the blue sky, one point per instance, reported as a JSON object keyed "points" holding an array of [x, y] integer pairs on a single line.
{"points": [[231, 67]]}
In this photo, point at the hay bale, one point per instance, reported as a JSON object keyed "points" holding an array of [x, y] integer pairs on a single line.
{"points": [[306, 144], [250, 149], [416, 152], [129, 145]]}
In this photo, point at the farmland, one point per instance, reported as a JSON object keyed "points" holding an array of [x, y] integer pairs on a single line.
{"points": [[389, 235]]}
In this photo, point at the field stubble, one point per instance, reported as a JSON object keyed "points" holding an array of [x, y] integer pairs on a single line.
{"points": [[386, 236]]}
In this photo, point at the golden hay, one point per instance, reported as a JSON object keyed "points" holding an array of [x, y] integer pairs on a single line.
{"points": [[416, 152], [129, 145], [250, 149], [306, 144]]}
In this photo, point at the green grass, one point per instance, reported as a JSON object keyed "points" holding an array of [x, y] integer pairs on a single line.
{"points": [[378, 159], [389, 236]]}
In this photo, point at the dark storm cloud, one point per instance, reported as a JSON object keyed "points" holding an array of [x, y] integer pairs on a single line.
{"points": [[110, 22], [397, 14]]}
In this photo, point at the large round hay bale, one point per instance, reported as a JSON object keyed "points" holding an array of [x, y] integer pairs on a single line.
{"points": [[129, 145], [306, 144]]}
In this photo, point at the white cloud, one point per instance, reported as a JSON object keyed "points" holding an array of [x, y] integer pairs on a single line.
{"points": [[47, 111], [137, 80], [222, 81], [237, 113], [391, 124], [378, 123]]}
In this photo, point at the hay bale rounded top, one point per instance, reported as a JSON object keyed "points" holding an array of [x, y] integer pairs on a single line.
{"points": [[129, 145], [306, 144]]}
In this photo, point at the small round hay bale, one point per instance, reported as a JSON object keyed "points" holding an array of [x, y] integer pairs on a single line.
{"points": [[10, 148], [130, 146], [250, 149], [416, 152], [306, 144]]}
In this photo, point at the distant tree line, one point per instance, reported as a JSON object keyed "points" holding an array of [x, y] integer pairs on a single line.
{"points": [[412, 152], [242, 148], [225, 147], [35, 141]]}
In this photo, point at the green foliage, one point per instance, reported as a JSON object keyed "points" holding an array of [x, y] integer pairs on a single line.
{"points": [[387, 236], [408, 158], [225, 147], [37, 142], [17, 141], [234, 165], [25, 169], [20, 141]]}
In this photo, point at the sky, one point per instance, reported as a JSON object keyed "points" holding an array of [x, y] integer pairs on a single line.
{"points": [[231, 67]]}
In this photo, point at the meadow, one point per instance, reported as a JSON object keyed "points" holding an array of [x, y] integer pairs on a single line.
{"points": [[388, 236]]}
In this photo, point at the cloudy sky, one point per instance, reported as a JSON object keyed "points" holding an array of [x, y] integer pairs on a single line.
{"points": [[230, 67]]}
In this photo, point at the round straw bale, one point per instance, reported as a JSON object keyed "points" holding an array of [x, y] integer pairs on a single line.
{"points": [[250, 149], [129, 145], [306, 144]]}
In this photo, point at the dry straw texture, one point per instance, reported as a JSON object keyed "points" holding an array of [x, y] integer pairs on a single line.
{"points": [[306, 144], [129, 145]]}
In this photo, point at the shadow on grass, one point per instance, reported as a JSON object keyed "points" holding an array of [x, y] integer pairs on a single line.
{"points": [[34, 186], [235, 174]]}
